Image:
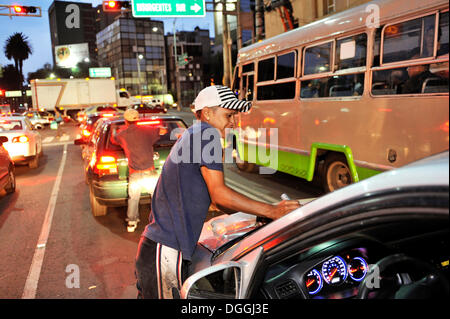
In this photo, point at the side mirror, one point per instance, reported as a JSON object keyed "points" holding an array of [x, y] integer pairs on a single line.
{"points": [[79, 141], [222, 281], [3, 139]]}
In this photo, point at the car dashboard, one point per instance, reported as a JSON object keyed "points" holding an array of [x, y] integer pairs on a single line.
{"points": [[332, 270]]}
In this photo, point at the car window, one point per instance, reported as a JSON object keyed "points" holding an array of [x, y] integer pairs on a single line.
{"points": [[10, 125], [314, 246], [169, 131]]}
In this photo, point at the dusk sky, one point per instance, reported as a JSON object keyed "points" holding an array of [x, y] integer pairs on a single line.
{"points": [[38, 31]]}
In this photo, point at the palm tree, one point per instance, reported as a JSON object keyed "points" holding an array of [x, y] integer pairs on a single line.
{"points": [[17, 48]]}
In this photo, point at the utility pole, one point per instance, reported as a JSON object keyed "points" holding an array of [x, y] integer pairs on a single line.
{"points": [[177, 69], [259, 15], [239, 31]]}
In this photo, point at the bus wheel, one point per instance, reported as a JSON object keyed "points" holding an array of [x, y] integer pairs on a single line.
{"points": [[336, 173]]}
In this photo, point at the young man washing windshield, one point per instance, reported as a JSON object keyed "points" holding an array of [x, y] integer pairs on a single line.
{"points": [[192, 178]]}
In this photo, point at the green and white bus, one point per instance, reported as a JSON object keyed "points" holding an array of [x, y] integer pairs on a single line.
{"points": [[354, 94]]}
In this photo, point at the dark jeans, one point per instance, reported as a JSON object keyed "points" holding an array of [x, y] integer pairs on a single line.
{"points": [[146, 275]]}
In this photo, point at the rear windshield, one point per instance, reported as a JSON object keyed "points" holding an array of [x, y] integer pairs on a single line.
{"points": [[10, 125], [167, 129], [106, 109]]}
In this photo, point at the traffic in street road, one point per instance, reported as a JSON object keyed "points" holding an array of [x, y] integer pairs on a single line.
{"points": [[141, 157], [53, 247]]}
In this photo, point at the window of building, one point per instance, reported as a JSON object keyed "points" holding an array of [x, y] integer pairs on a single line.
{"points": [[329, 6]]}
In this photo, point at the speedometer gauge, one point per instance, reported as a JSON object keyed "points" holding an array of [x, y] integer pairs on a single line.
{"points": [[313, 282], [357, 268], [334, 270]]}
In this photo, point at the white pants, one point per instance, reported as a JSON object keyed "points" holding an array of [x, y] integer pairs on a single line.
{"points": [[138, 181], [169, 271]]}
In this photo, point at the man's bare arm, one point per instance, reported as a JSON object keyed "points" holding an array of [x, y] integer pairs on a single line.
{"points": [[223, 196]]}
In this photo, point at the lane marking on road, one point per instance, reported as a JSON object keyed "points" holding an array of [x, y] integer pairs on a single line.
{"points": [[64, 138], [30, 289], [48, 139], [58, 144]]}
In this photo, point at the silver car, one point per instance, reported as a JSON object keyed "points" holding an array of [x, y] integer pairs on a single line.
{"points": [[384, 237]]}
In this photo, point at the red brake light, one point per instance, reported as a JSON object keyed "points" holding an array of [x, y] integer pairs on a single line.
{"points": [[20, 139], [106, 165], [107, 114]]}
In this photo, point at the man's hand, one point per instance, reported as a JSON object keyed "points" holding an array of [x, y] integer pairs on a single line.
{"points": [[282, 208], [225, 198]]}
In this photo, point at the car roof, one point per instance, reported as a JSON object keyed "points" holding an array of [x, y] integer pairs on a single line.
{"points": [[14, 118], [157, 116], [429, 172]]}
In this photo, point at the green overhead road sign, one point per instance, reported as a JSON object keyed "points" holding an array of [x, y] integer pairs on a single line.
{"points": [[168, 8]]}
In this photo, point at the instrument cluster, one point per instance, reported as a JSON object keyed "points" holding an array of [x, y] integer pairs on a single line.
{"points": [[341, 271]]}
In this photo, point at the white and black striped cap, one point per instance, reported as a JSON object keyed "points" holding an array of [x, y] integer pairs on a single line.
{"points": [[219, 95]]}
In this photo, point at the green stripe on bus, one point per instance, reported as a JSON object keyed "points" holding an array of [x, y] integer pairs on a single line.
{"points": [[302, 166]]}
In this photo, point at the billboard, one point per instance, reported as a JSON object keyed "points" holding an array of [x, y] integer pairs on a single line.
{"points": [[69, 55]]}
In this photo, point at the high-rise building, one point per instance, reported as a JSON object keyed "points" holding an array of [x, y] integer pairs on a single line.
{"points": [[72, 23], [134, 50], [195, 74]]}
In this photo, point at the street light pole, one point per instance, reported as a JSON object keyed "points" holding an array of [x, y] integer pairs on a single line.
{"points": [[177, 69], [225, 46], [138, 61]]}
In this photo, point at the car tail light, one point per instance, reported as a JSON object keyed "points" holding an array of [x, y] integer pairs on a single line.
{"points": [[154, 122], [85, 133], [20, 139], [107, 114], [106, 165]]}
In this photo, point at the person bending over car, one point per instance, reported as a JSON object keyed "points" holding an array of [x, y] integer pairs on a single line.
{"points": [[191, 179], [137, 143]]}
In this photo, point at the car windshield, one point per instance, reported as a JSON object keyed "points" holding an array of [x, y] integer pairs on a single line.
{"points": [[10, 125], [169, 130]]}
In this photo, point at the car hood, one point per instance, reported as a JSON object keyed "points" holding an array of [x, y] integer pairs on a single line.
{"points": [[431, 171]]}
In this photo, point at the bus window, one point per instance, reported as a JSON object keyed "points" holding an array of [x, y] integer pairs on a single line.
{"points": [[247, 86], [279, 91], [351, 52], [414, 79], [248, 68], [317, 59], [286, 66], [443, 34], [266, 70], [334, 86], [405, 41], [236, 83]]}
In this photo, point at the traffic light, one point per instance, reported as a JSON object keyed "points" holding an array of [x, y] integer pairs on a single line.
{"points": [[24, 9], [115, 6]]}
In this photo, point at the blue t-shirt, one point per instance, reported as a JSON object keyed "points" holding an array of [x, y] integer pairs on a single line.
{"points": [[181, 199]]}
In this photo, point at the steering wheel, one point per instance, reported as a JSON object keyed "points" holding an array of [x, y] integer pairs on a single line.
{"points": [[401, 285]]}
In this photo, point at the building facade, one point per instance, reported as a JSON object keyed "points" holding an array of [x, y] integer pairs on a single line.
{"points": [[195, 74], [281, 15], [134, 50], [72, 23]]}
